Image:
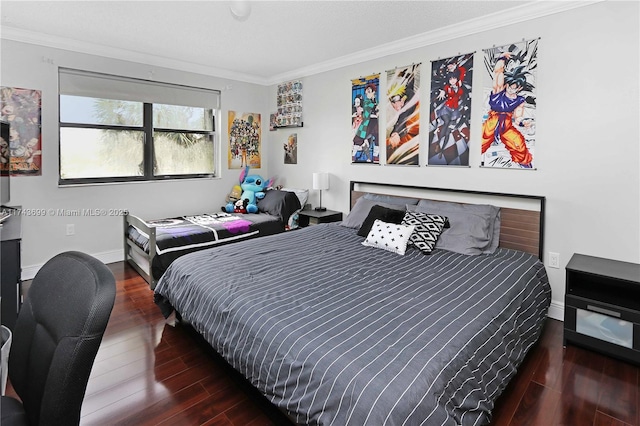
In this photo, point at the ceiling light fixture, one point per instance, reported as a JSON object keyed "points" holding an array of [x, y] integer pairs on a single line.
{"points": [[240, 9]]}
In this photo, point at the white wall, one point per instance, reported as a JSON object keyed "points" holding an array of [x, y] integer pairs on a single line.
{"points": [[36, 67], [587, 139]]}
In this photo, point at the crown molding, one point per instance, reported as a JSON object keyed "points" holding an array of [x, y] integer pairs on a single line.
{"points": [[496, 20], [63, 43], [537, 9]]}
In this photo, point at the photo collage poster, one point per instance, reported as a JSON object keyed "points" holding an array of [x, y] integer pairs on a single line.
{"points": [[22, 109], [289, 104], [244, 140], [403, 115], [364, 119], [509, 118], [450, 111]]}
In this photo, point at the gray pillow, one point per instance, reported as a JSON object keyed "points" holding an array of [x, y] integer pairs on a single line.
{"points": [[474, 228], [360, 211], [391, 199]]}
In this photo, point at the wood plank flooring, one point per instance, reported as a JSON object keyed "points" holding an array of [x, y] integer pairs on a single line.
{"points": [[149, 373]]}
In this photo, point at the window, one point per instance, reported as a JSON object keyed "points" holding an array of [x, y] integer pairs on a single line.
{"points": [[115, 129]]}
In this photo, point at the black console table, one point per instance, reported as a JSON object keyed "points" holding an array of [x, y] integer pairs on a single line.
{"points": [[10, 270], [602, 306]]}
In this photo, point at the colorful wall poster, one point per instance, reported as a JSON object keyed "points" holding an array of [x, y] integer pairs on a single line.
{"points": [[291, 149], [244, 139], [22, 109], [364, 119], [289, 104], [509, 116], [450, 111], [403, 115]]}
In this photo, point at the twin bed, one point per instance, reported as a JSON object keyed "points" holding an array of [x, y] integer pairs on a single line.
{"points": [[151, 246], [336, 332]]}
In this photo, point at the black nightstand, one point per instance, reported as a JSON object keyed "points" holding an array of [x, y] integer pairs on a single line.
{"points": [[602, 306], [314, 217]]}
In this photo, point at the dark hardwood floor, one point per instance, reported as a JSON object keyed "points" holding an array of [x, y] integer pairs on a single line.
{"points": [[150, 373]]}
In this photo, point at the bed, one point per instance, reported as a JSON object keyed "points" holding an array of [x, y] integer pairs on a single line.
{"points": [[151, 245], [335, 329]]}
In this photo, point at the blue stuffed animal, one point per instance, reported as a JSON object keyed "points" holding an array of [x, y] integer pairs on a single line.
{"points": [[253, 187]]}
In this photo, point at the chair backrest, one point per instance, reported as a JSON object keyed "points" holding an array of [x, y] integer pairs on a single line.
{"points": [[57, 334]]}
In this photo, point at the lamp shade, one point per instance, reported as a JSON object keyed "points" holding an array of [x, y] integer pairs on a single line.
{"points": [[321, 181]]}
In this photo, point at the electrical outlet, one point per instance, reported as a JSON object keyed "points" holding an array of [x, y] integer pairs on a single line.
{"points": [[554, 260], [71, 229]]}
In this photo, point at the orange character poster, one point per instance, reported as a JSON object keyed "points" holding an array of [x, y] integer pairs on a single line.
{"points": [[509, 126], [244, 140], [403, 115]]}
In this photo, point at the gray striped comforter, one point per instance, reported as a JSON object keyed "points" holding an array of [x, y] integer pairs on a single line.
{"points": [[336, 333]]}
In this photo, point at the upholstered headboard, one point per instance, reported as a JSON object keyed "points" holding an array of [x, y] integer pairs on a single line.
{"points": [[522, 216]]}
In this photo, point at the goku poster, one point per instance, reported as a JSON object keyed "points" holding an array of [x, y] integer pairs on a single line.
{"points": [[22, 109], [450, 111], [244, 140], [364, 119], [509, 126], [403, 115]]}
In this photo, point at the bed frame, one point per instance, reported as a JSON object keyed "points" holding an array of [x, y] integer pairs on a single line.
{"points": [[522, 228], [134, 255], [522, 216]]}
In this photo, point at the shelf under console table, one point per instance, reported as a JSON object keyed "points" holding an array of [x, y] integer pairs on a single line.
{"points": [[602, 306]]}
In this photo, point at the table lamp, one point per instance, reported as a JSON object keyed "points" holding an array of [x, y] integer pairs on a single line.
{"points": [[320, 182]]}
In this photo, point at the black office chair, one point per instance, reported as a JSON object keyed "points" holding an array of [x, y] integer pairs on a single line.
{"points": [[56, 338]]}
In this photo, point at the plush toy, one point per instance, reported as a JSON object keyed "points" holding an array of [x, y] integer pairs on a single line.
{"points": [[235, 194], [240, 206], [253, 187]]}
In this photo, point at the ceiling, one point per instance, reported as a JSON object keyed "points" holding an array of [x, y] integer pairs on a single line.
{"points": [[279, 39]]}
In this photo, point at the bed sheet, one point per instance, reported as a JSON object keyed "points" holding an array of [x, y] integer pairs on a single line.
{"points": [[178, 236], [336, 333]]}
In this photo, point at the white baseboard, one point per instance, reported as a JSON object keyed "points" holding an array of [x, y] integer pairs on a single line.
{"points": [[29, 272], [556, 310]]}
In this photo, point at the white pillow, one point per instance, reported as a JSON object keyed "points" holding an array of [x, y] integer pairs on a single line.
{"points": [[389, 236]]}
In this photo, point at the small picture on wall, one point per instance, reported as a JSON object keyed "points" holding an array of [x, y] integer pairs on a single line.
{"points": [[291, 149]]}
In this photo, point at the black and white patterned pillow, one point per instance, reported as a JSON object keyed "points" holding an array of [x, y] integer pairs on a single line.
{"points": [[427, 229], [389, 236]]}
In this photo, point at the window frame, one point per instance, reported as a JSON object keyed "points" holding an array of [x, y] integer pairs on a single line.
{"points": [[148, 130]]}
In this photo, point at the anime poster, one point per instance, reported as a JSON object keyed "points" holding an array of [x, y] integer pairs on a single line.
{"points": [[403, 115], [273, 122], [291, 149], [244, 140], [450, 111], [22, 109], [509, 126], [364, 119]]}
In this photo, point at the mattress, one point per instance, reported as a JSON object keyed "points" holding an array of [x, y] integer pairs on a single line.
{"points": [[336, 333], [180, 235]]}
